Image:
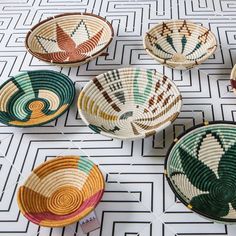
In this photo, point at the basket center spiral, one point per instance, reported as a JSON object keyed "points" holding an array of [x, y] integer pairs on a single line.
{"points": [[65, 200], [178, 57], [36, 107]]}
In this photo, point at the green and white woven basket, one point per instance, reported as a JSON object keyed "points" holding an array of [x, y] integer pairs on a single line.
{"points": [[201, 170], [34, 98]]}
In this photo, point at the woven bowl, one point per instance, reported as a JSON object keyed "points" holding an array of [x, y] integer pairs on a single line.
{"points": [[233, 79], [69, 39], [34, 98], [129, 103], [61, 191], [201, 170], [180, 44]]}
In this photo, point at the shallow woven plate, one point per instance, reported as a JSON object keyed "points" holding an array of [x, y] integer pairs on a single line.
{"points": [[201, 170], [233, 79], [180, 44], [61, 191], [129, 103], [69, 39], [35, 97]]}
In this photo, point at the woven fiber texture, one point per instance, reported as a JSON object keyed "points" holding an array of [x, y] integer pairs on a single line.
{"points": [[61, 191], [129, 103], [201, 170], [233, 79], [69, 39], [180, 44], [35, 97]]}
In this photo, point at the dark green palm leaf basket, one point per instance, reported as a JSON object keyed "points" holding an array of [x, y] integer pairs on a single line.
{"points": [[201, 170], [34, 98]]}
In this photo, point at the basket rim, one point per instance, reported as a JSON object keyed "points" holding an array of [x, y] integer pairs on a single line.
{"points": [[68, 14], [178, 63], [48, 162], [167, 158], [141, 135], [233, 73], [54, 118]]}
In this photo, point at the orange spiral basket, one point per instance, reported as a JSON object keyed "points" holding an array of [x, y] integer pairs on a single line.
{"points": [[61, 191]]}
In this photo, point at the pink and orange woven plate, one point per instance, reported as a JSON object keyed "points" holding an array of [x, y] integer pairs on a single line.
{"points": [[61, 191]]}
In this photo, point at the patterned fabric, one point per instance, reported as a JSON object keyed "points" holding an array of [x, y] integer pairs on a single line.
{"points": [[201, 169], [61, 191], [35, 98], [129, 103], [69, 38], [180, 44]]}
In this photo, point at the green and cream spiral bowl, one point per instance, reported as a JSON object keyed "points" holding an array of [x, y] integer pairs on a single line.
{"points": [[34, 98], [201, 170], [129, 103], [180, 44]]}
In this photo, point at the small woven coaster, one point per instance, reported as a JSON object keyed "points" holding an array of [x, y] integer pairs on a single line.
{"points": [[89, 223]]}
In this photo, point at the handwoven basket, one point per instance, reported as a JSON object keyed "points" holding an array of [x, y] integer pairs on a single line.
{"points": [[180, 44], [69, 39], [35, 97], [233, 79], [61, 191], [201, 170], [129, 103]]}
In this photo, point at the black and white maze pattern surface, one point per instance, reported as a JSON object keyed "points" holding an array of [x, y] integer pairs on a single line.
{"points": [[138, 200]]}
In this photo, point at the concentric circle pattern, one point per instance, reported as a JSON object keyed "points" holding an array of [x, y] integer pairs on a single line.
{"points": [[69, 39], [180, 44], [201, 170], [35, 98], [61, 191], [233, 79], [129, 103]]}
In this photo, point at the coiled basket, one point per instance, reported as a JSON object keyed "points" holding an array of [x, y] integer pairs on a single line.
{"points": [[61, 191], [129, 103], [180, 44], [34, 98], [201, 170], [69, 39]]}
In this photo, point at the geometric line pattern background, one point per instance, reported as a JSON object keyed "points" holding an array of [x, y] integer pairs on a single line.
{"points": [[137, 200]]}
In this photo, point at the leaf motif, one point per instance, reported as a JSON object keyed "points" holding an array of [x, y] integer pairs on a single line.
{"points": [[200, 175], [208, 205], [90, 44], [64, 41], [227, 165]]}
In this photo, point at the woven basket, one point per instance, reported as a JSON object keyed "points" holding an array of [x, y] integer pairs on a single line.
{"points": [[129, 103], [180, 44], [233, 79], [69, 39], [34, 98], [201, 170], [61, 191]]}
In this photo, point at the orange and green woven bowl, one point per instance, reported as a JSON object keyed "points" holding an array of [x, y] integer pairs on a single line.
{"points": [[61, 191], [34, 98]]}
